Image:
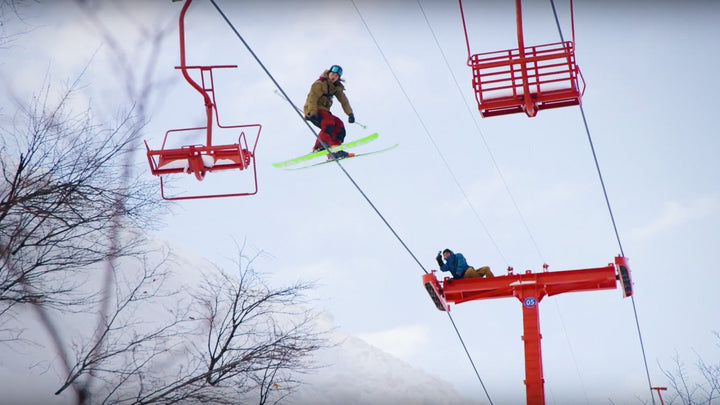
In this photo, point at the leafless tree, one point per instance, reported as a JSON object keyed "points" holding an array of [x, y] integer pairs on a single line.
{"points": [[68, 204], [147, 325], [255, 336], [704, 389], [256, 332], [63, 195], [66, 196], [11, 9], [58, 197], [224, 342], [711, 374], [59, 202]]}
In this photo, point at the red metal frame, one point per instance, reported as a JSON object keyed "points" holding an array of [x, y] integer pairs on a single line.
{"points": [[432, 285], [530, 288], [658, 389], [624, 275], [200, 159], [526, 78]]}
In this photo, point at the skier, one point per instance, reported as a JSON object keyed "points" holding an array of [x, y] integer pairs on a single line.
{"points": [[317, 110], [456, 264]]}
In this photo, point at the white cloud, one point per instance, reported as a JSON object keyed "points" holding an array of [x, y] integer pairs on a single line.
{"points": [[677, 213]]}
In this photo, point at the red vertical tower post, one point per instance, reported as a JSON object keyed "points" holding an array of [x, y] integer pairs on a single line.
{"points": [[658, 389], [530, 288], [534, 381]]}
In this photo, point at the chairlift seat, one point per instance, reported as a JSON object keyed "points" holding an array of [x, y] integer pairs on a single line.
{"points": [[199, 159], [540, 77]]}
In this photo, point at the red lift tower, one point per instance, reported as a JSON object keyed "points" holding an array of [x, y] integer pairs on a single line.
{"points": [[529, 288]]}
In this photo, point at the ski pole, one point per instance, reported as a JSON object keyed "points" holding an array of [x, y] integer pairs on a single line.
{"points": [[363, 126], [283, 97]]}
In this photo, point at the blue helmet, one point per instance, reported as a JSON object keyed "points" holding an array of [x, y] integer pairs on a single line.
{"points": [[336, 69]]}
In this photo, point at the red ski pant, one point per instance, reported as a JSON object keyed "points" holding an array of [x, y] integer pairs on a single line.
{"points": [[332, 130]]}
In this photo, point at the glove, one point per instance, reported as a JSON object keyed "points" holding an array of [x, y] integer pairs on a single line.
{"points": [[351, 118], [315, 119], [439, 259]]}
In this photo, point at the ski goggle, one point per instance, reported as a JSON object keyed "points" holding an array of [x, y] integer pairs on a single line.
{"points": [[336, 69]]}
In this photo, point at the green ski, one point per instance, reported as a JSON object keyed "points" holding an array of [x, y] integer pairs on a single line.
{"points": [[313, 155], [349, 157]]}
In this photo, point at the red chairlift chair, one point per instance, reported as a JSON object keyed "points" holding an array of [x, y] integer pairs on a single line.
{"points": [[526, 79], [199, 159]]}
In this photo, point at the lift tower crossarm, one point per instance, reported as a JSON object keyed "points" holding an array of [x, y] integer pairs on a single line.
{"points": [[530, 288], [515, 285]]}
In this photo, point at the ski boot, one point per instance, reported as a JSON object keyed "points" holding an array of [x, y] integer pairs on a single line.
{"points": [[341, 154]]}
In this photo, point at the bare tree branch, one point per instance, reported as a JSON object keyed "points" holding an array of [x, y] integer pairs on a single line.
{"points": [[685, 389], [68, 206], [58, 199], [255, 337], [130, 339], [229, 338]]}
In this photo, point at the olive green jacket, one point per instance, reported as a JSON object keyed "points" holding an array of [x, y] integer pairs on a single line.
{"points": [[322, 93]]}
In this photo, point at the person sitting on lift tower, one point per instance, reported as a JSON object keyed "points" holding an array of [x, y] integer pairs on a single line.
{"points": [[456, 264]]}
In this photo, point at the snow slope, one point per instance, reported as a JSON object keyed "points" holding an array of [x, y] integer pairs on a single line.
{"points": [[359, 373]]}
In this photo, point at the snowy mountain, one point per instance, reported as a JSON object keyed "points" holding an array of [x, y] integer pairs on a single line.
{"points": [[359, 373]]}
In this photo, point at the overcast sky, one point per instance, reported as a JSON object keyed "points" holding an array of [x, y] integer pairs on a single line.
{"points": [[456, 179]]}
